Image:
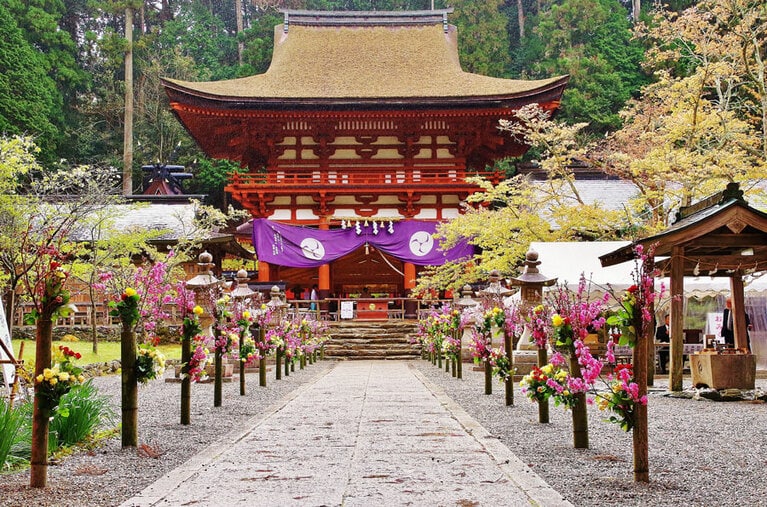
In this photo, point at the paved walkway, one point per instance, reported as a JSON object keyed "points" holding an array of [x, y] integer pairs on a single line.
{"points": [[368, 433]]}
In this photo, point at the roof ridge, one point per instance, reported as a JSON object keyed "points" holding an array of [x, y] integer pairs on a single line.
{"points": [[364, 18]]}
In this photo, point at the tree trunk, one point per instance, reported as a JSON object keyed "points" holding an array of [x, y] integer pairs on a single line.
{"points": [[94, 327], [238, 16], [38, 476], [128, 132], [129, 388], [521, 19], [543, 405], [580, 416]]}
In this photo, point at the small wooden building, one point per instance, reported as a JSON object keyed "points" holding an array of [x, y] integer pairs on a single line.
{"points": [[721, 236]]}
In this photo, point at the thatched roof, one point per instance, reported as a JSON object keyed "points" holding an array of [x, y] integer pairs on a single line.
{"points": [[321, 56]]}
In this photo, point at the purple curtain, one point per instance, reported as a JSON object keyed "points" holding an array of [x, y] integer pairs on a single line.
{"points": [[303, 247]]}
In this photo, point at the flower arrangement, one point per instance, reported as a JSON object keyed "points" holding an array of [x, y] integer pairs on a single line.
{"points": [[562, 330], [54, 298], [550, 381], [500, 364], [150, 363], [540, 325], [126, 309], [627, 318], [622, 398], [197, 363], [248, 351], [57, 380]]}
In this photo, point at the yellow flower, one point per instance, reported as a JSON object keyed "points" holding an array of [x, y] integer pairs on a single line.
{"points": [[197, 310], [263, 306], [53, 381], [64, 376], [547, 369], [47, 374], [39, 378], [538, 309], [81, 379], [566, 393], [246, 314], [557, 320], [130, 292]]}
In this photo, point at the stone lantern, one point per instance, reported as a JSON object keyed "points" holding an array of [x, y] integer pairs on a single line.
{"points": [[278, 306], [531, 283], [240, 295], [207, 289], [464, 303], [201, 284]]}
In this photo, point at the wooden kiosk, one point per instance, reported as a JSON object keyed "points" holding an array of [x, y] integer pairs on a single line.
{"points": [[723, 236]]}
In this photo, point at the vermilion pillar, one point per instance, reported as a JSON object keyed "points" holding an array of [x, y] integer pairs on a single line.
{"points": [[263, 271], [323, 272], [411, 308]]}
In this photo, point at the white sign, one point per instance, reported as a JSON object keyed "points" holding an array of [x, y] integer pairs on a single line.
{"points": [[8, 369], [347, 309], [714, 325]]}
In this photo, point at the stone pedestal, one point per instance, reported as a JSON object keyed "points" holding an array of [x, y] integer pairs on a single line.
{"points": [[524, 361]]}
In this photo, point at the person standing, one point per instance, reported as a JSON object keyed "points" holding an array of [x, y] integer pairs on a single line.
{"points": [[728, 329], [313, 296], [662, 335]]}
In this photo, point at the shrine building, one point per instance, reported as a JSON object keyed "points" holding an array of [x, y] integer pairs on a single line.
{"points": [[357, 141]]}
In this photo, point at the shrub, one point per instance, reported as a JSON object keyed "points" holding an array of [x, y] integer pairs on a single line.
{"points": [[15, 425], [81, 411]]}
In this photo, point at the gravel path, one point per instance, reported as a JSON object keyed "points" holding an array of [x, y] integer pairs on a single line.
{"points": [[701, 453]]}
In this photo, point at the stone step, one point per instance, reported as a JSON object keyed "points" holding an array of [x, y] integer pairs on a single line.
{"points": [[372, 340]]}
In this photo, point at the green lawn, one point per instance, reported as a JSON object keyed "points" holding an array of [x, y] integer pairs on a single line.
{"points": [[107, 350]]}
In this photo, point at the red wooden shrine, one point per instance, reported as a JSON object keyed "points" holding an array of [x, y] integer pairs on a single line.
{"points": [[361, 115]]}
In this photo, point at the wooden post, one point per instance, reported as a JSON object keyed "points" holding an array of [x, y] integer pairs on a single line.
{"points": [[488, 377], [509, 383], [580, 416], [129, 388], [186, 381], [242, 365], [262, 360], [287, 365], [278, 364], [218, 380], [739, 326], [640, 433], [677, 318], [543, 406], [38, 476], [439, 358]]}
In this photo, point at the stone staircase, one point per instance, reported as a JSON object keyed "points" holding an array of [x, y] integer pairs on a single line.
{"points": [[388, 339]]}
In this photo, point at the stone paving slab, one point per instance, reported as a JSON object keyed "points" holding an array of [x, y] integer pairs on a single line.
{"points": [[367, 433]]}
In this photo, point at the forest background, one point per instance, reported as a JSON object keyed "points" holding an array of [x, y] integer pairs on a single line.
{"points": [[670, 98]]}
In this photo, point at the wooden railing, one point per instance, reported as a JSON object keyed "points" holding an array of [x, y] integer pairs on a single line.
{"points": [[301, 176]]}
